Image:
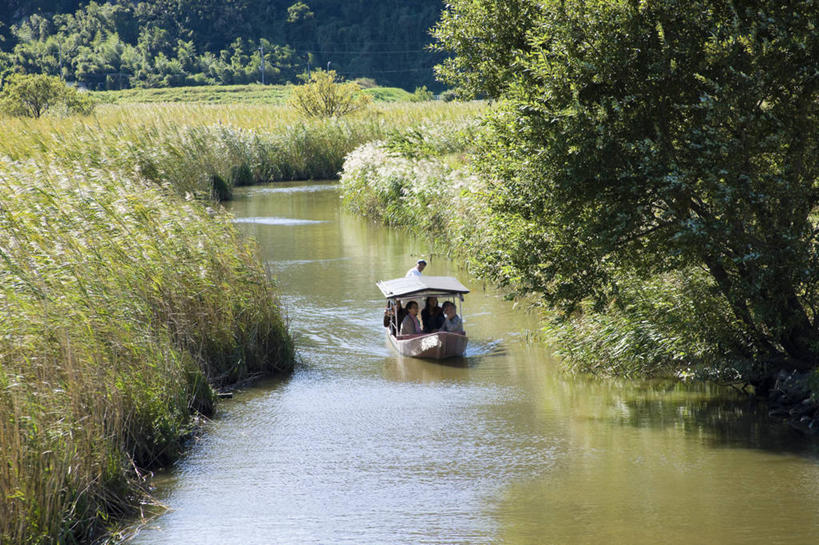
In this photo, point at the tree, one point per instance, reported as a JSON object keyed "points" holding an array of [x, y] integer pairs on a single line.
{"points": [[325, 97], [299, 12], [647, 137], [486, 38], [31, 95]]}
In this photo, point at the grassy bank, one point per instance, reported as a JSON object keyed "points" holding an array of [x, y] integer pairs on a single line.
{"points": [[228, 94], [120, 303], [209, 149]]}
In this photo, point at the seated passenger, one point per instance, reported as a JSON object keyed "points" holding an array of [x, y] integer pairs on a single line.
{"points": [[452, 321], [432, 316], [410, 324], [395, 311]]}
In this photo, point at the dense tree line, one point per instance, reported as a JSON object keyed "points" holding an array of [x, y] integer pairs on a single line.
{"points": [[125, 43], [667, 143]]}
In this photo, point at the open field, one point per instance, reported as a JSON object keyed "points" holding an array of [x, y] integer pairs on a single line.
{"points": [[228, 94]]}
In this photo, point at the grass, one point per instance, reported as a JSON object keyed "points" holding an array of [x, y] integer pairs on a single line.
{"points": [[228, 94], [208, 149], [389, 94], [121, 302]]}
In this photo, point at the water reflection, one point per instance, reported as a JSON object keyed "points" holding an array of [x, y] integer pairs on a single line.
{"points": [[364, 446]]}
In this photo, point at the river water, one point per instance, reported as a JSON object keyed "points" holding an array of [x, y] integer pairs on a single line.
{"points": [[361, 446]]}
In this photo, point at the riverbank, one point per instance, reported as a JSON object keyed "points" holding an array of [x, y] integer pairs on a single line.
{"points": [[123, 303], [129, 295], [674, 325]]}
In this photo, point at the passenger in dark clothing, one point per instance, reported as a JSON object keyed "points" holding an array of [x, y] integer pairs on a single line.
{"points": [[432, 316], [388, 314]]}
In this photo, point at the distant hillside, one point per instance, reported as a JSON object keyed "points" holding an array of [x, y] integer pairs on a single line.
{"points": [[124, 43]]}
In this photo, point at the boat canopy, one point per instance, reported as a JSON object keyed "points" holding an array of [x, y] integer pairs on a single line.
{"points": [[421, 286]]}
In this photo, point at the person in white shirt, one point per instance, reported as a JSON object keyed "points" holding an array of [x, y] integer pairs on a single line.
{"points": [[452, 321], [416, 270]]}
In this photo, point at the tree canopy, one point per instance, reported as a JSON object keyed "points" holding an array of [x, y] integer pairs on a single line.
{"points": [[641, 137], [324, 96], [129, 43], [32, 95]]}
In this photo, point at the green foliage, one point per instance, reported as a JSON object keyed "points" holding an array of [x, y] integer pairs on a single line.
{"points": [[120, 301], [324, 96], [212, 94], [33, 95], [422, 94], [120, 44], [365, 83], [449, 95], [387, 94], [299, 12], [638, 139], [672, 324], [231, 94], [185, 145], [485, 38], [407, 181]]}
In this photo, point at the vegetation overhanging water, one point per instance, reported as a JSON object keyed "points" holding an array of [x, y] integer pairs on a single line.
{"points": [[129, 297]]}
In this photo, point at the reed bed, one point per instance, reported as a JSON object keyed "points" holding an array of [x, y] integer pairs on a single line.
{"points": [[209, 149], [120, 303], [418, 179], [125, 298]]}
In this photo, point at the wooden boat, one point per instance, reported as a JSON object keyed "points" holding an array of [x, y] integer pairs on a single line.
{"points": [[437, 345]]}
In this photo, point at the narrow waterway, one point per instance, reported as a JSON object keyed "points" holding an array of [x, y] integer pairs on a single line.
{"points": [[361, 446]]}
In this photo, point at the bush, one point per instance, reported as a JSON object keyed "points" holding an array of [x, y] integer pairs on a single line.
{"points": [[422, 94], [32, 95], [323, 96], [449, 95]]}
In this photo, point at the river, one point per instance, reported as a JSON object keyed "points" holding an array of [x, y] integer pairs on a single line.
{"points": [[361, 446]]}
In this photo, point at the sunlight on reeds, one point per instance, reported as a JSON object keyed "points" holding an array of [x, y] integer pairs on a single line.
{"points": [[119, 303], [208, 149], [125, 297]]}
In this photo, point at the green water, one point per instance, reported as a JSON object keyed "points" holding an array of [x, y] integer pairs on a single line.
{"points": [[361, 446]]}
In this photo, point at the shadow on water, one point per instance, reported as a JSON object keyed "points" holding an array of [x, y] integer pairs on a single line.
{"points": [[723, 418]]}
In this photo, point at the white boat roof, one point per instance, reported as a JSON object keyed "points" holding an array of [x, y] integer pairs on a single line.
{"points": [[421, 286]]}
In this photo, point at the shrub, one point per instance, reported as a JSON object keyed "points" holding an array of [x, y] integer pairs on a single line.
{"points": [[323, 96], [422, 94], [449, 95], [365, 83], [32, 95]]}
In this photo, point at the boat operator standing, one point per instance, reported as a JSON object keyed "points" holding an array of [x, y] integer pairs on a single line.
{"points": [[416, 270]]}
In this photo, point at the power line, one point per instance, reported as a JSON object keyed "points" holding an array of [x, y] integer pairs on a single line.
{"points": [[387, 71], [361, 52]]}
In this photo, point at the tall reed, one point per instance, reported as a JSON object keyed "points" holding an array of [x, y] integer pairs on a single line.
{"points": [[209, 149], [119, 303]]}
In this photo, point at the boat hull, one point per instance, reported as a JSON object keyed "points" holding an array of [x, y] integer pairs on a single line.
{"points": [[437, 346]]}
